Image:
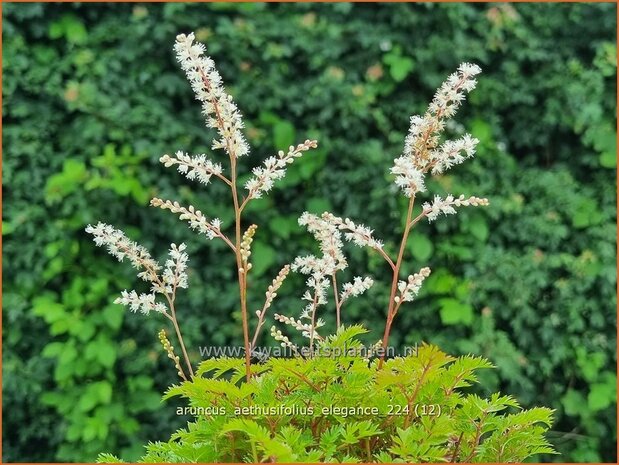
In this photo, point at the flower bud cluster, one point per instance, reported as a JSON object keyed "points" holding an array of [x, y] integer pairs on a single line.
{"points": [[165, 342], [410, 288], [277, 335], [271, 292], [358, 286], [196, 219], [446, 205], [248, 238], [304, 328]]}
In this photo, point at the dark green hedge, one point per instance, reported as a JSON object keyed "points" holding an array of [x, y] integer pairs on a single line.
{"points": [[92, 97]]}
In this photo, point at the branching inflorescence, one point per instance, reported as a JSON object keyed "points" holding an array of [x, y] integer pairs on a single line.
{"points": [[221, 114], [424, 154]]}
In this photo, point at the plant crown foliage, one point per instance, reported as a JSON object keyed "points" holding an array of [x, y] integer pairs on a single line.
{"points": [[406, 391]]}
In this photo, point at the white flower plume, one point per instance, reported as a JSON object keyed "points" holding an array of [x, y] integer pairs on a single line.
{"points": [[275, 168], [120, 246], [408, 177], [422, 152], [197, 167], [195, 217], [358, 234], [450, 153], [174, 274], [329, 237], [217, 106], [145, 303]]}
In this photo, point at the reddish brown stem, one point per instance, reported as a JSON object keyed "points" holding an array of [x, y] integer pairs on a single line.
{"points": [[337, 301], [394, 281]]}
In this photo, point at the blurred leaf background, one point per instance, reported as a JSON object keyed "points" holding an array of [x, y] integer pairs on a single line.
{"points": [[92, 97]]}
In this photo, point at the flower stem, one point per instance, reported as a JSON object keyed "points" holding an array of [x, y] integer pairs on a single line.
{"points": [[242, 272], [337, 301], [179, 335], [394, 281]]}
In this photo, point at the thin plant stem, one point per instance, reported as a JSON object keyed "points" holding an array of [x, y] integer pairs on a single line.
{"points": [[394, 281], [314, 306], [178, 366], [179, 334], [228, 241], [387, 258], [252, 346], [242, 272], [456, 448], [338, 305]]}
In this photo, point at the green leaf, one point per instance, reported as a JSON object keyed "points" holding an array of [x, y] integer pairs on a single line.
{"points": [[586, 213], [72, 176], [478, 227], [52, 350], [69, 27], [262, 257], [453, 312], [50, 310], [8, 227], [440, 282], [106, 352], [87, 401], [481, 130], [573, 402], [421, 247], [113, 316], [104, 391], [317, 205], [282, 226], [345, 337], [399, 66], [311, 163], [608, 159], [283, 135], [602, 395], [108, 458]]}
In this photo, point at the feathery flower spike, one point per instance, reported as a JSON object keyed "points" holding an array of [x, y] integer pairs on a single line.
{"points": [[217, 106]]}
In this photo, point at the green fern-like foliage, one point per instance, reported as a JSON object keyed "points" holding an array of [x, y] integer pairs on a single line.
{"points": [[342, 408]]}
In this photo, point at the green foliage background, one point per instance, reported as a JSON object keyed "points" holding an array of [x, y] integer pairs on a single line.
{"points": [[92, 97]]}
